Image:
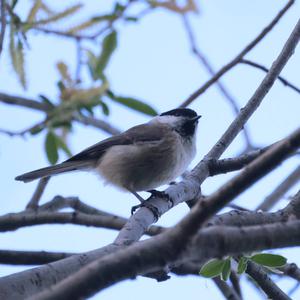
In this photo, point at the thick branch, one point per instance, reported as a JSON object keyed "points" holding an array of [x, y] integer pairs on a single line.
{"points": [[157, 252], [183, 191]]}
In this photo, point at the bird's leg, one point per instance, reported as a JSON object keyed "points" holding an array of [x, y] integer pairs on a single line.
{"points": [[162, 195], [138, 196], [144, 203]]}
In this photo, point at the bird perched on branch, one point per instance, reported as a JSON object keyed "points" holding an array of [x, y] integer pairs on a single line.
{"points": [[140, 159]]}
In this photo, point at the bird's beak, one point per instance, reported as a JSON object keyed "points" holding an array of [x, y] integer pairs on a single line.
{"points": [[195, 119]]}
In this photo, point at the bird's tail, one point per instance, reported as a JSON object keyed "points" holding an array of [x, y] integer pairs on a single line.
{"points": [[54, 170]]}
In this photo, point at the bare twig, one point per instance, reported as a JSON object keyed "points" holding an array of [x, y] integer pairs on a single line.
{"points": [[291, 270], [228, 292], [103, 125], [280, 190], [3, 24], [265, 282], [33, 104], [33, 204], [211, 72], [263, 68], [62, 33], [16, 100], [237, 59], [22, 133]]}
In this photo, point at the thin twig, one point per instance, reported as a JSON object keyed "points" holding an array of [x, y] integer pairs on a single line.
{"points": [[280, 190], [33, 204], [204, 61], [14, 221], [3, 24], [228, 292], [14, 257], [237, 59], [25, 102], [263, 68], [101, 124]]}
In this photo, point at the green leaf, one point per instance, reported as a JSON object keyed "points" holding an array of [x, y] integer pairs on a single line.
{"points": [[92, 63], [109, 44], [226, 269], [61, 86], [242, 266], [269, 260], [17, 55], [51, 147], [62, 145], [133, 104], [212, 268], [36, 129], [105, 108], [131, 19]]}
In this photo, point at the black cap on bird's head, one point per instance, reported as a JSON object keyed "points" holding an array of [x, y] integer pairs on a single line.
{"points": [[180, 112], [189, 119]]}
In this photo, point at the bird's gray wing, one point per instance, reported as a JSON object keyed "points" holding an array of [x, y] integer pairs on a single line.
{"points": [[136, 134]]}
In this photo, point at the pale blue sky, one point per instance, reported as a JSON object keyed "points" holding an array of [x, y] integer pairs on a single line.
{"points": [[152, 62]]}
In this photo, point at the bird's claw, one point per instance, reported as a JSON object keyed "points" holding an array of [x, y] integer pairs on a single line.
{"points": [[161, 194], [146, 204]]}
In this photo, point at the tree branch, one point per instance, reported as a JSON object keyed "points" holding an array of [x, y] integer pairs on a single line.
{"points": [[25, 102], [90, 121], [263, 68], [265, 282], [183, 191], [280, 190], [204, 61], [14, 257], [237, 59], [33, 204], [152, 254]]}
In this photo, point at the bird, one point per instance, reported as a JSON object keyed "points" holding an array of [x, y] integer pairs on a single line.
{"points": [[141, 158]]}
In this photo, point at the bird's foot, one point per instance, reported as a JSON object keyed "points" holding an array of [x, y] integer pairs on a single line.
{"points": [[162, 195], [146, 204]]}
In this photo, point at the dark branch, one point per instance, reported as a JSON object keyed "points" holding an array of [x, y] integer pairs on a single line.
{"points": [[20, 101], [265, 282], [34, 201], [263, 68]]}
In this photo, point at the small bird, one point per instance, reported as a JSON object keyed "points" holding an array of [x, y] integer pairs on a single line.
{"points": [[140, 159]]}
